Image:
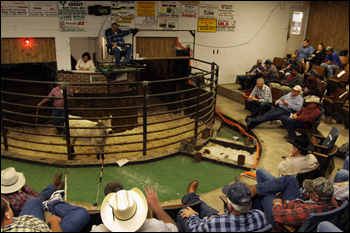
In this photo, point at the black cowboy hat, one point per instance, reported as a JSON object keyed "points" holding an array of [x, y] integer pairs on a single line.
{"points": [[303, 143]]}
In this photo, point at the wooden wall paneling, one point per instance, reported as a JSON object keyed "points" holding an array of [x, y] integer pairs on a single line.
{"points": [[155, 47], [13, 50], [329, 24]]}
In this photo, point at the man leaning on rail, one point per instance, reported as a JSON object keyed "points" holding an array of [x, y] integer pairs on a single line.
{"points": [[58, 104]]}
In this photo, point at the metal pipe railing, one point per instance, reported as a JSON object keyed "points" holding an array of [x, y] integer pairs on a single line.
{"points": [[203, 114]]}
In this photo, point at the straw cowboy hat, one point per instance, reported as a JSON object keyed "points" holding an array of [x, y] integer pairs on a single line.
{"points": [[11, 181], [124, 210]]}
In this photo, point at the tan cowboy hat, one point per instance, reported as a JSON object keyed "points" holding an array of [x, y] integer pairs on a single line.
{"points": [[124, 211], [11, 181], [313, 99]]}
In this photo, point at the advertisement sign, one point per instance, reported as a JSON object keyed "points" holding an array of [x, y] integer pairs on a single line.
{"points": [[14, 8], [146, 8], [71, 7], [72, 23], [206, 25], [189, 10], [43, 8], [168, 8], [208, 11], [123, 8]]}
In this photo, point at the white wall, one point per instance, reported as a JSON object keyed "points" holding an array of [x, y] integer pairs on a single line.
{"points": [[237, 58]]}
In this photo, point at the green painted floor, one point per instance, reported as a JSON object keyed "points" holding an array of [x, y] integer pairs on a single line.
{"points": [[170, 177], [228, 133]]}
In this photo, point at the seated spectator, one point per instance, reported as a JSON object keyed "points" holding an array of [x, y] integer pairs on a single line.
{"points": [[271, 73], [126, 210], [304, 50], [326, 226], [316, 58], [237, 217], [341, 181], [300, 160], [332, 63], [290, 64], [287, 104], [85, 63], [66, 218], [302, 118], [293, 208], [312, 85], [14, 189], [259, 99], [288, 83], [251, 76]]}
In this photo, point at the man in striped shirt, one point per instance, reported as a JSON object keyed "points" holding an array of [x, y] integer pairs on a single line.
{"points": [[259, 99], [238, 217], [116, 38]]}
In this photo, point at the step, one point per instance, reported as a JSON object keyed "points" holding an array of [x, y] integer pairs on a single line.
{"points": [[230, 91]]}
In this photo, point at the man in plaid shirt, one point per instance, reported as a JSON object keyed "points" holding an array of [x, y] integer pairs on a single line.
{"points": [[271, 73], [259, 99], [238, 217], [17, 193], [292, 209], [116, 38]]}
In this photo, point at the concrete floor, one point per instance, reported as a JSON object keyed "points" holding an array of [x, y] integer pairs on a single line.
{"points": [[273, 146]]}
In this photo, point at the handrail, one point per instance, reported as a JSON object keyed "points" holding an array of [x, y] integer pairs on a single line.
{"points": [[202, 98]]}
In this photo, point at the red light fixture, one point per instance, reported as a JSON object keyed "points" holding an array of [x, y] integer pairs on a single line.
{"points": [[26, 41]]}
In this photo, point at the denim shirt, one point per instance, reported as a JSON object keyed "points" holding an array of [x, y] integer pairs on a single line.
{"points": [[302, 54]]}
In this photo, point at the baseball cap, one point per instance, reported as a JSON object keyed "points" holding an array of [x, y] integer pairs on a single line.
{"points": [[238, 193], [321, 186], [268, 61], [259, 60], [312, 72], [297, 88]]}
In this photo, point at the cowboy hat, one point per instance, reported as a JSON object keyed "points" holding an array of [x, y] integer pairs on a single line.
{"points": [[313, 99], [303, 143], [124, 210], [11, 181]]}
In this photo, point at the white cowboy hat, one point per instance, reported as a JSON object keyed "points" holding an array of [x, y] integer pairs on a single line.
{"points": [[313, 99], [11, 181], [124, 211]]}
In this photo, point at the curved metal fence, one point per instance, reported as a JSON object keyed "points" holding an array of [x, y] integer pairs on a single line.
{"points": [[196, 101]]}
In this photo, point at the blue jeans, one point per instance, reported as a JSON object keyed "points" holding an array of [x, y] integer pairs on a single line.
{"points": [[326, 226], [117, 54], [273, 114], [254, 107], [58, 122], [47, 192], [204, 211], [267, 188], [248, 79], [331, 69], [74, 218], [290, 124]]}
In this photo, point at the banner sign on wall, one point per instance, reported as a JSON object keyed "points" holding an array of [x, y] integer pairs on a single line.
{"points": [[146, 22], [71, 7], [14, 8], [146, 8], [72, 23], [189, 10], [226, 25], [43, 8], [206, 25], [123, 8], [168, 8], [208, 11], [125, 23], [225, 11], [168, 23]]}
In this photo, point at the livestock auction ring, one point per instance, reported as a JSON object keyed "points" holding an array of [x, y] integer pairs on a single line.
{"points": [[148, 125]]}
